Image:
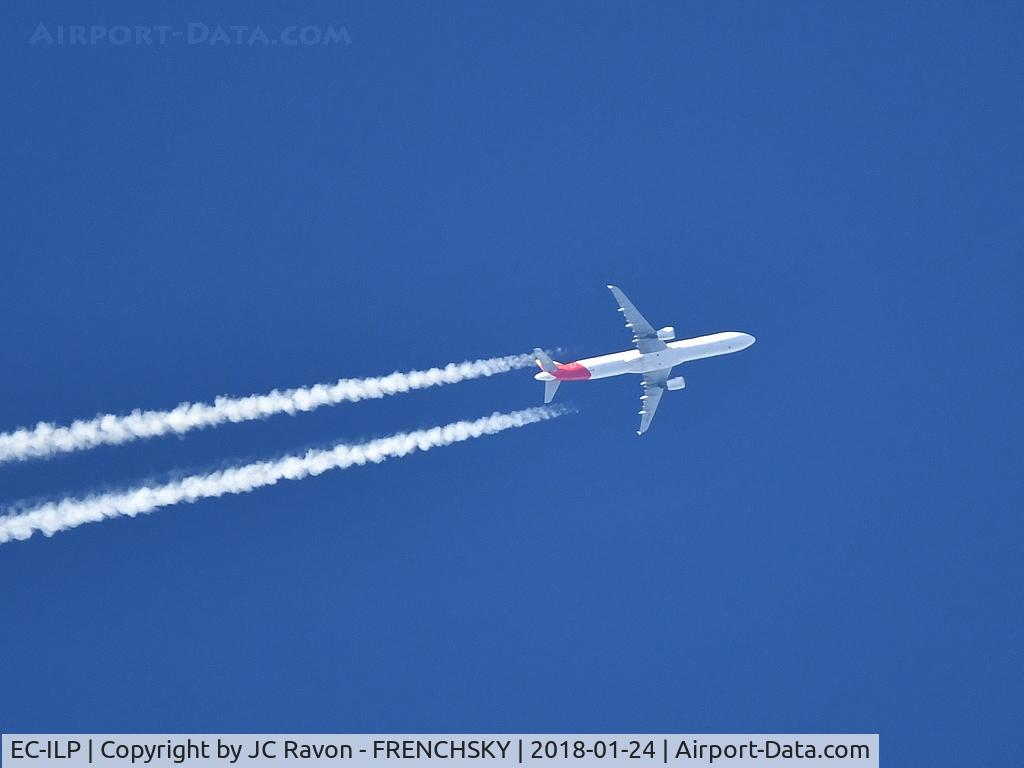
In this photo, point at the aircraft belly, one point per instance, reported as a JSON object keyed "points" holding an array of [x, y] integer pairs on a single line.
{"points": [[674, 353], [658, 361], [609, 365], [710, 346], [609, 368]]}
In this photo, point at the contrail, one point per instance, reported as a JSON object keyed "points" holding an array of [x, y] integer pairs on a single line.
{"points": [[54, 516], [46, 439]]}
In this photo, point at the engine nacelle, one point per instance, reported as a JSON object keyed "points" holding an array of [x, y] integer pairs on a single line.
{"points": [[677, 383], [667, 333]]}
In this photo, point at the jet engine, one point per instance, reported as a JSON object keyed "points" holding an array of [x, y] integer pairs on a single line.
{"points": [[667, 333], [677, 383]]}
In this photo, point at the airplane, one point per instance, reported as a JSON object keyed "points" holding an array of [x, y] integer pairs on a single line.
{"points": [[654, 357]]}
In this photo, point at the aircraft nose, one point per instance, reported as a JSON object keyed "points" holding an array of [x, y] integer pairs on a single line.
{"points": [[746, 340]]}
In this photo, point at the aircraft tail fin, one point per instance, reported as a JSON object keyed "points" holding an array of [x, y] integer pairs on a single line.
{"points": [[544, 362], [550, 387]]}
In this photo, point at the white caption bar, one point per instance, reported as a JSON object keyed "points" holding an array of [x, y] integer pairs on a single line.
{"points": [[392, 750]]}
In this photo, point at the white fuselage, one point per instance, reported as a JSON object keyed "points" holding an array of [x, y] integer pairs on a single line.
{"points": [[634, 361]]}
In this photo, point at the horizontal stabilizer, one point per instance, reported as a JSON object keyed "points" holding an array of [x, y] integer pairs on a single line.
{"points": [[550, 387], [544, 362]]}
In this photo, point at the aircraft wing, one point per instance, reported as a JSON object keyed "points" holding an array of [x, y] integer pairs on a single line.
{"points": [[644, 335], [654, 388]]}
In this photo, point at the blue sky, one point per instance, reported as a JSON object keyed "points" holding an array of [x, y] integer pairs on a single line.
{"points": [[822, 533]]}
